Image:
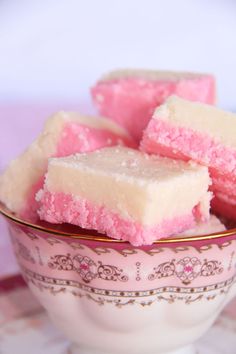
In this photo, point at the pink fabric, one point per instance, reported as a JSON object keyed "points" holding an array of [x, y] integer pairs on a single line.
{"points": [[63, 208], [163, 138], [131, 102]]}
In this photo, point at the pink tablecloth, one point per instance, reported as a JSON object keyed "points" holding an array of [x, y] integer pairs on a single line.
{"points": [[20, 124]]}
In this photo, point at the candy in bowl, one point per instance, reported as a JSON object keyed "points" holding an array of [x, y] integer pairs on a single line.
{"points": [[109, 297]]}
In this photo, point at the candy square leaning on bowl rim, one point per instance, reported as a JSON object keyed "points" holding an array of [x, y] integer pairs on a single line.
{"points": [[126, 194], [64, 133]]}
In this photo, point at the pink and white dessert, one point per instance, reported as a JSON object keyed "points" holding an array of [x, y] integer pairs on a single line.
{"points": [[126, 194], [129, 97], [184, 130], [211, 226], [63, 134]]}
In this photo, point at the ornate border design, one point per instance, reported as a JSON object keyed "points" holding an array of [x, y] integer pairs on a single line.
{"points": [[87, 268], [162, 293], [187, 269]]}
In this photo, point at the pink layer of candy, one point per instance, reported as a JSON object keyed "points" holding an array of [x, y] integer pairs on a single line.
{"points": [[80, 138], [131, 102], [224, 183], [224, 207], [30, 211], [60, 208], [75, 138], [164, 139]]}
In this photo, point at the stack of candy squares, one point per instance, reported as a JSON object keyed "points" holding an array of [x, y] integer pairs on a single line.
{"points": [[171, 160]]}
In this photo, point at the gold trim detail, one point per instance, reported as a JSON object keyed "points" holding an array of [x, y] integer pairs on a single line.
{"points": [[124, 298], [75, 245], [31, 276], [103, 238]]}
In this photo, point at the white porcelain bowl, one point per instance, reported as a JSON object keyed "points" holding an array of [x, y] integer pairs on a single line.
{"points": [[108, 297]]}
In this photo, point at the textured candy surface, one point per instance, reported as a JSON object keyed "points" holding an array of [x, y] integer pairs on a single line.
{"points": [[126, 194], [185, 130], [129, 97], [63, 134]]}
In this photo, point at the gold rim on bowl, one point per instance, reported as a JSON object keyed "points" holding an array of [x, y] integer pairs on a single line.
{"points": [[103, 238]]}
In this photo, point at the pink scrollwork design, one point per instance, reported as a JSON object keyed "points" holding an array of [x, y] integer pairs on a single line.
{"points": [[210, 268], [110, 272], [163, 270], [187, 269], [61, 262], [87, 268]]}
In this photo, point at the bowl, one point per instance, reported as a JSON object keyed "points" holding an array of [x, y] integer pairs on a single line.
{"points": [[109, 297]]}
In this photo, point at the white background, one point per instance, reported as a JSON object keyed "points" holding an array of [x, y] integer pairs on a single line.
{"points": [[55, 49]]}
